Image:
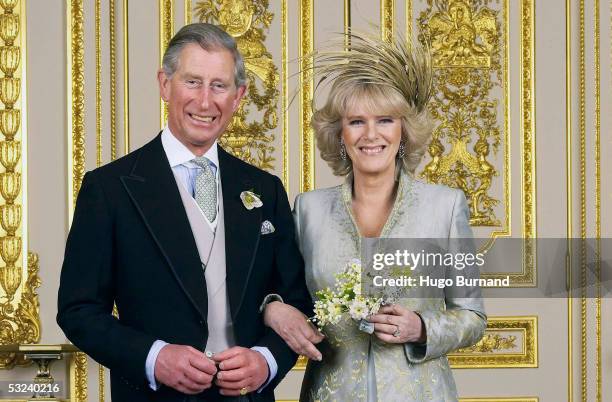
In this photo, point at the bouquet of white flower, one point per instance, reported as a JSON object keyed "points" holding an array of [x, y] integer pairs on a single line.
{"points": [[346, 297]]}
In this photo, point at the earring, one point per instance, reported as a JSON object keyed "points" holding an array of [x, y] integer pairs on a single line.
{"points": [[342, 150], [402, 150]]}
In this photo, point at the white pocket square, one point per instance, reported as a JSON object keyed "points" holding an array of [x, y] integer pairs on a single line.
{"points": [[267, 227]]}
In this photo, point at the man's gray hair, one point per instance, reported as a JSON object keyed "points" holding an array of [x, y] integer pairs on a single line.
{"points": [[209, 37]]}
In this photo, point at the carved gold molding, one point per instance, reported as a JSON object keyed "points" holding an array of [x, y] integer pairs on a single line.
{"points": [[597, 45], [347, 18], [307, 180], [26, 317], [126, 78], [569, 195], [76, 98], [78, 377], [19, 309], [98, 40], [408, 19], [583, 217], [98, 84], [527, 276], [113, 80], [99, 140], [285, 93], [19, 312], [166, 31], [528, 159], [496, 348], [387, 19], [76, 148], [301, 363], [188, 12]]}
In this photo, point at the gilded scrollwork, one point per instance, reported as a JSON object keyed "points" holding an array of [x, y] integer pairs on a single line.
{"points": [[19, 306], [495, 350], [491, 343], [248, 21], [21, 324], [466, 41]]}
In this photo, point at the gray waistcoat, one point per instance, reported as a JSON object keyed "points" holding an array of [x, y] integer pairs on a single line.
{"points": [[211, 248]]}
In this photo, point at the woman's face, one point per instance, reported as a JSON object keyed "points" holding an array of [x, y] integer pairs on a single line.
{"points": [[371, 141]]}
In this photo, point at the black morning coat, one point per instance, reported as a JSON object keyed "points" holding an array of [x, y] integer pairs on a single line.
{"points": [[131, 244]]}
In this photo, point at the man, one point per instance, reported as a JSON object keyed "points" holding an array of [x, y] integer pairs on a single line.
{"points": [[172, 236]]}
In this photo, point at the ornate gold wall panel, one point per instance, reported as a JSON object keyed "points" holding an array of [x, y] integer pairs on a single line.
{"points": [[467, 41], [248, 22], [19, 306], [470, 46]]}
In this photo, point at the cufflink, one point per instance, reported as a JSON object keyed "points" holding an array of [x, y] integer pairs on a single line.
{"points": [[267, 227]]}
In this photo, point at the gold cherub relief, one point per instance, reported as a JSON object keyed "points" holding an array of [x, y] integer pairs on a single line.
{"points": [[461, 38], [245, 21], [465, 43]]}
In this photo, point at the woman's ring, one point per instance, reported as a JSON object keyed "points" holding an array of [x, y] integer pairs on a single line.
{"points": [[396, 334], [243, 391]]}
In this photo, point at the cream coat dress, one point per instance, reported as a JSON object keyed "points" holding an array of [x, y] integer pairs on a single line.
{"points": [[356, 366]]}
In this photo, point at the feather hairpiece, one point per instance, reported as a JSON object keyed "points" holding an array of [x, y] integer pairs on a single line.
{"points": [[401, 65]]}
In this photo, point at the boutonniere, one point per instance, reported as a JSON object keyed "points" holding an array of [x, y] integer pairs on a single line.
{"points": [[250, 200]]}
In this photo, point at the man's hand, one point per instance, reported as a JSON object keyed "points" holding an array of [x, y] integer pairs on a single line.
{"points": [[295, 329], [240, 369], [184, 368]]}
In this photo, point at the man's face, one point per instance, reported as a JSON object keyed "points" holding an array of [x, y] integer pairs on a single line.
{"points": [[201, 96]]}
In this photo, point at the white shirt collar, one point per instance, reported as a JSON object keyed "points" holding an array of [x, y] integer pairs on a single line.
{"points": [[178, 154]]}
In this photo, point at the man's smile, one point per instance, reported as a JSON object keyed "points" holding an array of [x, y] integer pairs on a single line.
{"points": [[204, 119]]}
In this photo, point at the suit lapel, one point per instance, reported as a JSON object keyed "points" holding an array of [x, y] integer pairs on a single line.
{"points": [[242, 228], [153, 189]]}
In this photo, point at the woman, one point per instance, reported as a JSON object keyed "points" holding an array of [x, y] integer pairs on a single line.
{"points": [[373, 130]]}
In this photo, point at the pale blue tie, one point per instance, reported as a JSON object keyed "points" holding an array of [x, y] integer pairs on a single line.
{"points": [[205, 188]]}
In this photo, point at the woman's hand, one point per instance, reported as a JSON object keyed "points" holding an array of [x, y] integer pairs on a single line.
{"points": [[396, 324], [295, 329]]}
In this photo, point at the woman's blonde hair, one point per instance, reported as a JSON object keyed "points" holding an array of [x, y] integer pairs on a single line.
{"points": [[384, 78]]}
